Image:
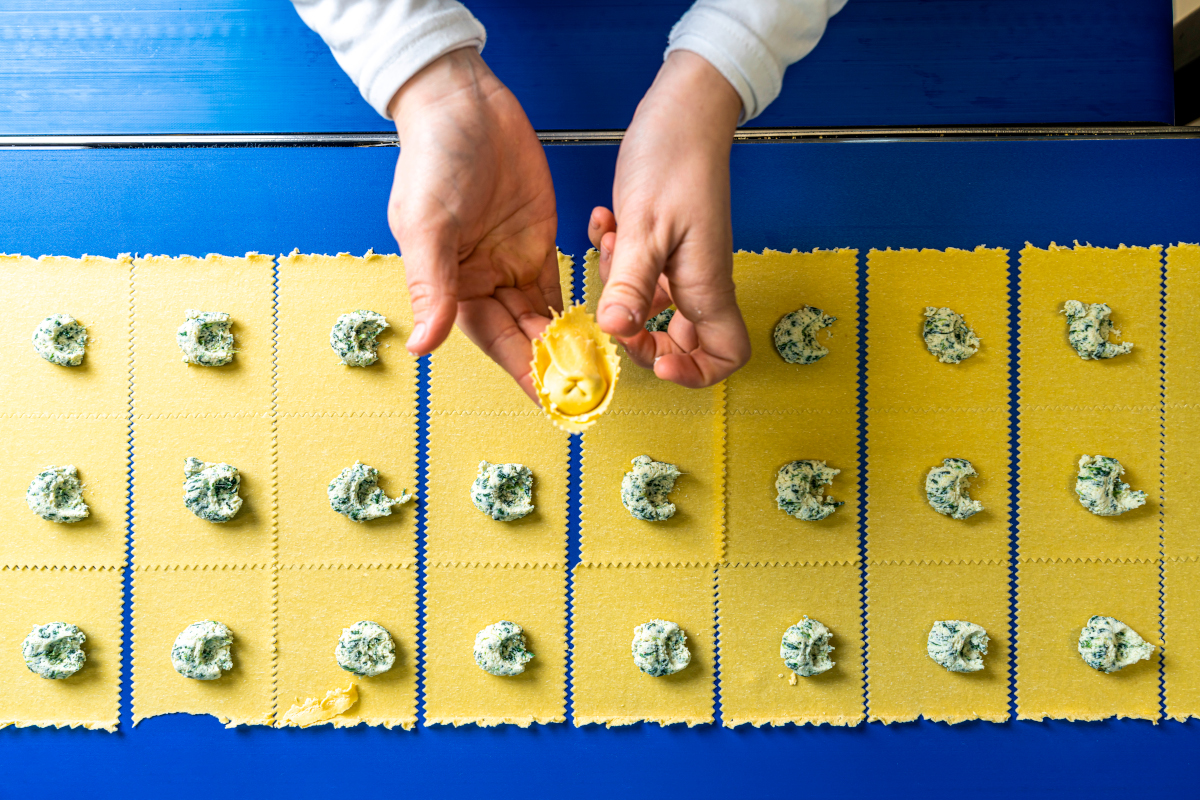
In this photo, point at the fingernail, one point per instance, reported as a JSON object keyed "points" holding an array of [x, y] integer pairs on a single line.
{"points": [[418, 336], [623, 311]]}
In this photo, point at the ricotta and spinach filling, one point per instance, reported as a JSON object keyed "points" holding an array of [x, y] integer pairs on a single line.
{"points": [[54, 650], [948, 489], [353, 337], [796, 335], [957, 645], [201, 652], [644, 489], [355, 493], [661, 320], [1107, 644], [503, 491], [1100, 489], [805, 648], [365, 649], [948, 336], [60, 339], [205, 339], [56, 495], [500, 649], [799, 490], [210, 490], [660, 648], [1088, 329]]}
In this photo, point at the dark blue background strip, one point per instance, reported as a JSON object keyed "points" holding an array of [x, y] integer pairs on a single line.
{"points": [[226, 66], [916, 194]]}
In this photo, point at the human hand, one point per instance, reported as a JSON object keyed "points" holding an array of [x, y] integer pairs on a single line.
{"points": [[671, 240], [472, 208]]}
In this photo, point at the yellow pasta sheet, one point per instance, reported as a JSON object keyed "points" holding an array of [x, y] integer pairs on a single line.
{"points": [[88, 598], [462, 601], [313, 450], [477, 412], [165, 532], [1181, 601], [1056, 600], [314, 290], [96, 292], [315, 605], [98, 447], [608, 603], [669, 423], [163, 290], [756, 605], [167, 600], [904, 683], [780, 412]]}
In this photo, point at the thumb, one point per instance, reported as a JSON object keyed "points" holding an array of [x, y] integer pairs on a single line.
{"points": [[632, 279], [431, 267]]}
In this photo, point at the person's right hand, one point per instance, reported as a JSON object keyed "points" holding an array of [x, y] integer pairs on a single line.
{"points": [[473, 211]]}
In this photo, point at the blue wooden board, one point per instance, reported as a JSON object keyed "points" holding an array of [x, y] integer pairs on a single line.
{"points": [[225, 66], [917, 194]]}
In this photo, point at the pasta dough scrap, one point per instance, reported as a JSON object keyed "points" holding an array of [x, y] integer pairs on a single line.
{"points": [[54, 650], [353, 337], [1100, 489], [61, 340], [798, 488], [201, 651], [805, 649], [796, 335], [205, 339], [503, 491], [1107, 645], [313, 711], [500, 649], [660, 648], [1088, 329], [947, 487], [644, 489], [957, 645], [575, 367], [948, 336], [56, 495], [210, 490], [365, 649], [355, 493]]}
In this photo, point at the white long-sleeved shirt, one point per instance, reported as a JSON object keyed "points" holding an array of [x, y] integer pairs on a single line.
{"points": [[382, 43]]}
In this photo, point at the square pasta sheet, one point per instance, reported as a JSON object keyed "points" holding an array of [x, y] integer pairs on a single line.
{"points": [[780, 412], [461, 601], [478, 413], [88, 598], [96, 292], [904, 601], [315, 606], [756, 606], [1070, 407], [668, 423], [1181, 503], [608, 603], [167, 600]]}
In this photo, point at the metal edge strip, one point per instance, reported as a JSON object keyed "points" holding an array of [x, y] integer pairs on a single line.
{"points": [[384, 139]]}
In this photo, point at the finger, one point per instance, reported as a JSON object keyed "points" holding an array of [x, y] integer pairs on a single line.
{"points": [[645, 348], [602, 221], [488, 324], [636, 264], [549, 284], [431, 269], [604, 263]]}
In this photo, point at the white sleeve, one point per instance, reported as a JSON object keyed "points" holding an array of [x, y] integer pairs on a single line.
{"points": [[751, 42], [382, 43]]}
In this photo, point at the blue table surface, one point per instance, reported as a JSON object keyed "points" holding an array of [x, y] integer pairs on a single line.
{"points": [[226, 66], [804, 195]]}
